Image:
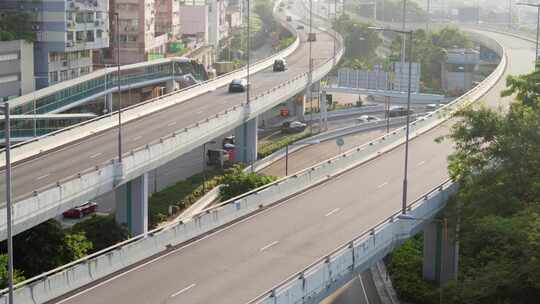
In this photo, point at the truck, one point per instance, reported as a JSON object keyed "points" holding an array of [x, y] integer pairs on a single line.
{"points": [[224, 67]]}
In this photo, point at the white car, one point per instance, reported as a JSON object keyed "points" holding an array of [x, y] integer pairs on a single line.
{"points": [[366, 118]]}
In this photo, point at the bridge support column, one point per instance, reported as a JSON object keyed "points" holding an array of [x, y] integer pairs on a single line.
{"points": [[439, 254], [108, 106], [324, 114], [132, 205], [300, 107], [171, 85], [246, 139]]}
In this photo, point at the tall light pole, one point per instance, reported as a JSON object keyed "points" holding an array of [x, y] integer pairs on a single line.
{"points": [[410, 34], [248, 49], [310, 83], [428, 14], [116, 15], [403, 24], [7, 138], [537, 25]]}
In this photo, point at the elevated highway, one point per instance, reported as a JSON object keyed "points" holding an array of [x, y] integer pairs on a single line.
{"points": [[236, 264], [243, 260], [60, 171]]}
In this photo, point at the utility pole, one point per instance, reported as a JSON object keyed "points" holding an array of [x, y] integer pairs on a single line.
{"points": [[116, 14], [7, 137]]}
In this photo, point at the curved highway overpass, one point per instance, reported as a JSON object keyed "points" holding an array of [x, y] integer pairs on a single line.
{"points": [[43, 176], [235, 264]]}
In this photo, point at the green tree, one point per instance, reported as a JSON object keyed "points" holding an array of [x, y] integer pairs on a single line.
{"points": [[526, 87], [102, 231], [236, 182], [361, 43], [47, 246], [430, 51], [17, 274], [16, 25]]}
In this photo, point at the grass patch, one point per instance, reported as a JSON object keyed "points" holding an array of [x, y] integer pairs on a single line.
{"points": [[271, 147], [181, 195]]}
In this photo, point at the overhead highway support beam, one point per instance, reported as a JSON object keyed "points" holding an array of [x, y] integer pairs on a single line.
{"points": [[132, 205], [246, 140]]}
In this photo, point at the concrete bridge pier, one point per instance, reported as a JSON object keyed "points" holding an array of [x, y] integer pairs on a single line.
{"points": [[171, 85], [440, 254], [246, 139], [132, 205], [108, 106]]}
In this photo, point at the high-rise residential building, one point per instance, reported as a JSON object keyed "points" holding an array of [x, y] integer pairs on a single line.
{"points": [[16, 68], [168, 18], [67, 32], [138, 40]]}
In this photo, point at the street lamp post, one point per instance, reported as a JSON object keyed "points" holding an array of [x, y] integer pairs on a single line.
{"points": [[309, 143], [248, 50], [116, 15], [537, 6], [7, 137], [403, 24], [407, 128]]}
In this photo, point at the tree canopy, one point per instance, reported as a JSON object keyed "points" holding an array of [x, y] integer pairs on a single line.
{"points": [[16, 25], [102, 231], [236, 182], [430, 51]]}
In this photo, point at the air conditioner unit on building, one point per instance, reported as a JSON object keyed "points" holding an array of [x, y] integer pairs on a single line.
{"points": [[35, 27], [64, 63], [69, 44]]}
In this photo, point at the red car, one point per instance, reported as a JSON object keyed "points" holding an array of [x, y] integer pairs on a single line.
{"points": [[80, 211]]}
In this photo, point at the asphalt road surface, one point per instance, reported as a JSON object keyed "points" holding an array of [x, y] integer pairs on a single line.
{"points": [[240, 262], [51, 167]]}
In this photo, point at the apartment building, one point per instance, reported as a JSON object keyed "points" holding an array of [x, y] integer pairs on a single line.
{"points": [[168, 18], [16, 68], [138, 39], [67, 32]]}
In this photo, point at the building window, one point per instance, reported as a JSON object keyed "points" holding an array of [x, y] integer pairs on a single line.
{"points": [[69, 36], [7, 57], [85, 54], [79, 18], [99, 33], [63, 56], [80, 36], [63, 75], [74, 74], [53, 76], [9, 78], [85, 70], [90, 17], [132, 38], [99, 15], [90, 36]]}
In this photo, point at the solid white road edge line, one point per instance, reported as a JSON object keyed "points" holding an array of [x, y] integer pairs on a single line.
{"points": [[332, 212], [268, 246], [183, 290]]}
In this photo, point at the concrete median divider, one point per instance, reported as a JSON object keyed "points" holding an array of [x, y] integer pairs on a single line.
{"points": [[97, 266]]}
